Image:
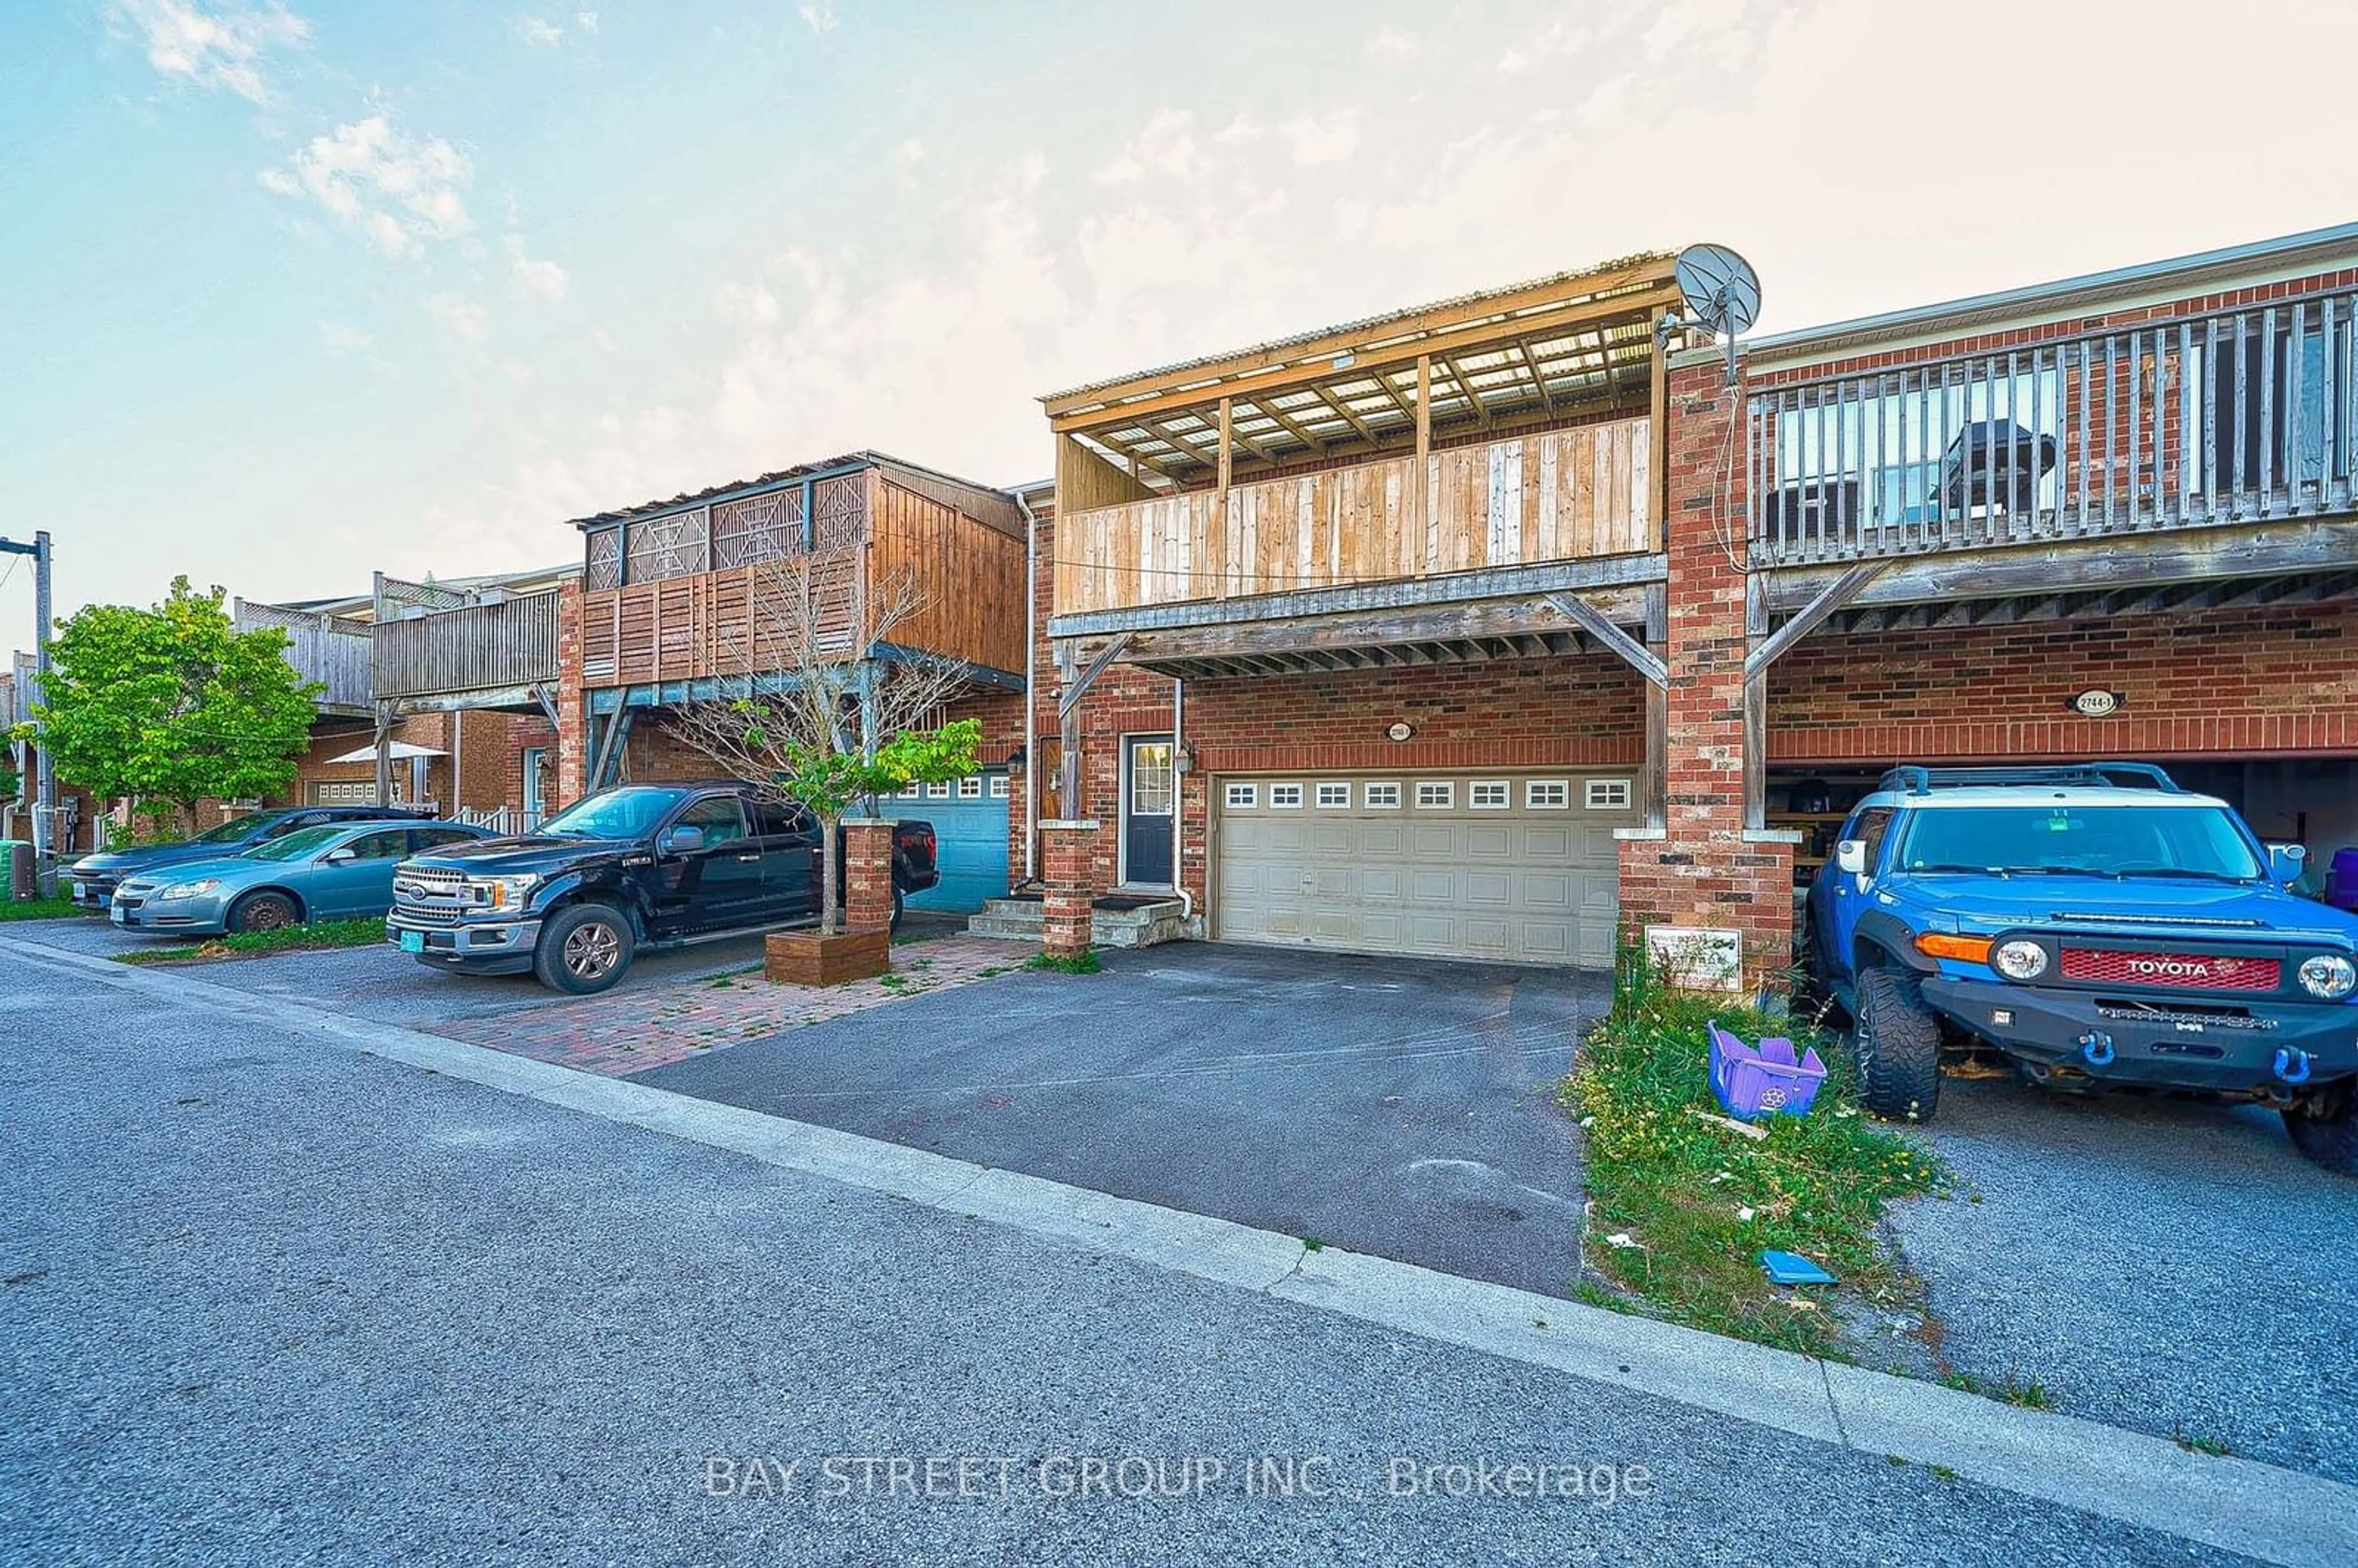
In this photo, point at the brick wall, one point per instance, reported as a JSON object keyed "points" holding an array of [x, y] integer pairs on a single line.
{"points": [[1705, 870], [2267, 681]]}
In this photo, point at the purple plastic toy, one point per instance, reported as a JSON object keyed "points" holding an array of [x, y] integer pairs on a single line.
{"points": [[1764, 1081]]}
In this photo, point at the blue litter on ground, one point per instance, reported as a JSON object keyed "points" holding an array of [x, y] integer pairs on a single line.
{"points": [[1751, 1081], [1792, 1268]]}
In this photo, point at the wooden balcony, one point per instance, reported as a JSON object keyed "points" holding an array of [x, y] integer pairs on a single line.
{"points": [[1548, 497], [476, 655], [695, 592], [327, 649]]}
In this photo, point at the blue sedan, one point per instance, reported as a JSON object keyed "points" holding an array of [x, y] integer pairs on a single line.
{"points": [[340, 871]]}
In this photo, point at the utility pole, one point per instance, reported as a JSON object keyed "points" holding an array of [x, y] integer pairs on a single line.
{"points": [[44, 794]]}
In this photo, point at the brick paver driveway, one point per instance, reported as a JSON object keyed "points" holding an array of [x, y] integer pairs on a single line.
{"points": [[631, 1031]]}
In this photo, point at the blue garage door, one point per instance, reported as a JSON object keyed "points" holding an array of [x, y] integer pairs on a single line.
{"points": [[969, 818]]}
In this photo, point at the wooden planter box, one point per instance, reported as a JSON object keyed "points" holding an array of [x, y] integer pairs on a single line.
{"points": [[807, 958]]}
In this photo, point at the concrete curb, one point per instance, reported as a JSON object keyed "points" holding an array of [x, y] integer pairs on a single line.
{"points": [[2238, 1505]]}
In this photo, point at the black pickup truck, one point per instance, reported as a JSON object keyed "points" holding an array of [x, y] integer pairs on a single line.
{"points": [[643, 866]]}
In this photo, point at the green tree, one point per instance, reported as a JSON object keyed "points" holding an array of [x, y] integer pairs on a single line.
{"points": [[170, 706], [808, 719]]}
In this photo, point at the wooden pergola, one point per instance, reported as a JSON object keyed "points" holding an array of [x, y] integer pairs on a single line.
{"points": [[1572, 345]]}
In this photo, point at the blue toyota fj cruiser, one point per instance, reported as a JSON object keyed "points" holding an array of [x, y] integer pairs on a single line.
{"points": [[2100, 926]]}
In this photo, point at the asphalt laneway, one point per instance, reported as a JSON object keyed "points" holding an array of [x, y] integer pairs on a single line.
{"points": [[266, 1298], [1405, 1109], [2167, 1266]]}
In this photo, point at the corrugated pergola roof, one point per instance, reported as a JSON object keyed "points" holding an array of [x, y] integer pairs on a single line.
{"points": [[1558, 345]]}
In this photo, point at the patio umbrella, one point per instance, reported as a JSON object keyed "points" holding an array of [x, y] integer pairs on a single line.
{"points": [[399, 751]]}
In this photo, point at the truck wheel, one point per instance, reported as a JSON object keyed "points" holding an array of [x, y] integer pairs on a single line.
{"points": [[896, 909], [2325, 1127], [1898, 1047], [263, 912], [584, 949]]}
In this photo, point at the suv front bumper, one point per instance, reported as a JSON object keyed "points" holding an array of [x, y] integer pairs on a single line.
{"points": [[470, 946], [2190, 1042]]}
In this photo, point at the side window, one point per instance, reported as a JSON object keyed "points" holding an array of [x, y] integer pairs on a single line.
{"points": [[435, 837], [282, 827], [390, 845], [720, 818], [1870, 826], [773, 820]]}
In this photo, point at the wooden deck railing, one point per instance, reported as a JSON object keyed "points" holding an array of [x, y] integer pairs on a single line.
{"points": [[715, 623], [482, 648], [1552, 497], [2227, 418], [322, 648]]}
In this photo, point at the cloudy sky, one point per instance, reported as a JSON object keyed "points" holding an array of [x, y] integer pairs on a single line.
{"points": [[294, 290]]}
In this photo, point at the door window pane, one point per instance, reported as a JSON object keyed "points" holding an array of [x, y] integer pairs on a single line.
{"points": [[1150, 780], [719, 816], [391, 845]]}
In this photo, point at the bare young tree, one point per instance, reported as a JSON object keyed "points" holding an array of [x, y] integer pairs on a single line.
{"points": [[817, 703]]}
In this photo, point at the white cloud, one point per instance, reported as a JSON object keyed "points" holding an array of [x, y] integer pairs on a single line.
{"points": [[1394, 44], [1321, 141], [746, 305], [461, 319], [217, 45], [910, 151], [586, 20], [399, 191], [341, 338], [1166, 145], [819, 16], [539, 32], [1557, 39], [544, 278]]}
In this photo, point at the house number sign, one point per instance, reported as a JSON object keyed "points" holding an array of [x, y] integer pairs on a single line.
{"points": [[2098, 704]]}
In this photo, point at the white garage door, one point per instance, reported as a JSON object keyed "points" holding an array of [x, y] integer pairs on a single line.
{"points": [[1518, 867]]}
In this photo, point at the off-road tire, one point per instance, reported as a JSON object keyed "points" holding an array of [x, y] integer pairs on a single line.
{"points": [[897, 908], [584, 949], [2326, 1130], [263, 912], [1897, 1039]]}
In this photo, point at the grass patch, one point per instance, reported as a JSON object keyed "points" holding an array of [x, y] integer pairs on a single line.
{"points": [[1690, 1205], [1086, 964], [365, 931], [42, 909], [2030, 1395], [2210, 1446]]}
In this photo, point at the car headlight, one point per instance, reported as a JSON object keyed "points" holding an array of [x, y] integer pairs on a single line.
{"points": [[2329, 976], [501, 892], [197, 889], [2018, 959]]}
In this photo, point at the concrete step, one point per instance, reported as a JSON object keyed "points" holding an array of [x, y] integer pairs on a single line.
{"points": [[992, 925], [1140, 927]]}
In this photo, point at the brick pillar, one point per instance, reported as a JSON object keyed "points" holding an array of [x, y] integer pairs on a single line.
{"points": [[1704, 868], [1018, 781], [867, 875], [572, 705], [1068, 868]]}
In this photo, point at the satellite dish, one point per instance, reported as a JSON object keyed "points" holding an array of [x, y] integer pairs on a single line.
{"points": [[1721, 292]]}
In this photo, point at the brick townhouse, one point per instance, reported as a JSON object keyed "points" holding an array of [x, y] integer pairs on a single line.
{"points": [[1479, 628], [665, 610], [459, 679]]}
